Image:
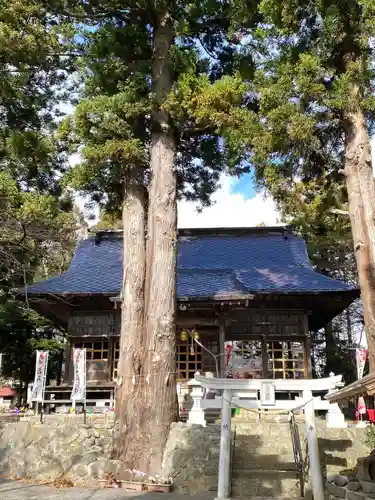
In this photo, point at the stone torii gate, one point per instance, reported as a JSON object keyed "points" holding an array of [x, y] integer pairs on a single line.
{"points": [[243, 393]]}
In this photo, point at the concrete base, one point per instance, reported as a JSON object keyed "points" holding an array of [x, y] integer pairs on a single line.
{"points": [[335, 418], [361, 424], [197, 417]]}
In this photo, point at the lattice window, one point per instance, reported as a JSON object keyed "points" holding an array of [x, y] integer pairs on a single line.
{"points": [[286, 360], [116, 357], [95, 351], [188, 359], [245, 360]]}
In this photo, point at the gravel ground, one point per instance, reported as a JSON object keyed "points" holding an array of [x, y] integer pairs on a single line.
{"points": [[17, 490]]}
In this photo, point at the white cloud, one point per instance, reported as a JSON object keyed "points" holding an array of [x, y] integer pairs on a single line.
{"points": [[229, 210], [233, 209]]}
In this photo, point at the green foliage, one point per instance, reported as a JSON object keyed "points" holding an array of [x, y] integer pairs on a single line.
{"points": [[321, 51], [108, 221], [369, 439], [22, 333], [208, 105], [37, 231], [31, 78], [37, 235]]}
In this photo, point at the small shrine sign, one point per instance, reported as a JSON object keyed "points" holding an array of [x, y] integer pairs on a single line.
{"points": [[267, 393]]}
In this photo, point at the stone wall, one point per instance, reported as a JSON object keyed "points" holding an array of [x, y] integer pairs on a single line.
{"points": [[356, 485], [63, 447], [191, 457], [55, 450], [339, 448]]}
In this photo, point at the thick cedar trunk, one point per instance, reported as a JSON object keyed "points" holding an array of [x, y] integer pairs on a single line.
{"points": [[162, 408], [361, 193], [129, 438]]}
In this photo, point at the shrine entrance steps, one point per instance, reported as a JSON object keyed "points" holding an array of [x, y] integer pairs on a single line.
{"points": [[263, 464]]}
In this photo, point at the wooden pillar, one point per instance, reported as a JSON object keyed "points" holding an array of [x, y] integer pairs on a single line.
{"points": [[222, 324], [68, 371], [308, 364], [264, 357], [307, 346], [111, 355]]}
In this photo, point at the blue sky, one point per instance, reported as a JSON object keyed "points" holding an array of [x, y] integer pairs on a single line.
{"points": [[244, 186]]}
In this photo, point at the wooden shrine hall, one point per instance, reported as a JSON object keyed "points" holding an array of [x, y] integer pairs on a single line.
{"points": [[252, 289]]}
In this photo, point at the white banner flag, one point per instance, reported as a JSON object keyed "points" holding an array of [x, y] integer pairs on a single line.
{"points": [[361, 355], [37, 393], [79, 384]]}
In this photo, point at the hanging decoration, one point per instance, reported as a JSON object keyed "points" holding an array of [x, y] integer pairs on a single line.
{"points": [[79, 384], [228, 351], [37, 393], [361, 408], [361, 356], [185, 335]]}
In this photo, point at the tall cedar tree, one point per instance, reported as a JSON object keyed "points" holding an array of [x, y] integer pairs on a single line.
{"points": [[315, 109], [159, 119]]}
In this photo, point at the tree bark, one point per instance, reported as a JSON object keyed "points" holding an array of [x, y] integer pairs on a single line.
{"points": [[162, 407], [129, 438], [361, 193]]}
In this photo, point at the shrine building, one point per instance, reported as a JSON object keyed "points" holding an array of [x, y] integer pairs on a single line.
{"points": [[251, 295]]}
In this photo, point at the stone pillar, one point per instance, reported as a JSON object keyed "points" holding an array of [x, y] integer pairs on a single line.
{"points": [[313, 447], [196, 414], [180, 397], [224, 480]]}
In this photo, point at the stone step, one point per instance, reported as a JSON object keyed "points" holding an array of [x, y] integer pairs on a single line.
{"points": [[288, 470], [272, 417], [308, 496], [249, 428], [264, 459], [263, 463], [249, 496], [265, 484], [264, 449], [251, 447]]}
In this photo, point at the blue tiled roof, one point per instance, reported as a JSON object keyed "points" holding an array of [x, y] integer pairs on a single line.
{"points": [[227, 263]]}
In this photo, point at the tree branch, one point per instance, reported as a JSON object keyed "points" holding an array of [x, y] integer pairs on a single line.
{"points": [[194, 131], [99, 15], [339, 212]]}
